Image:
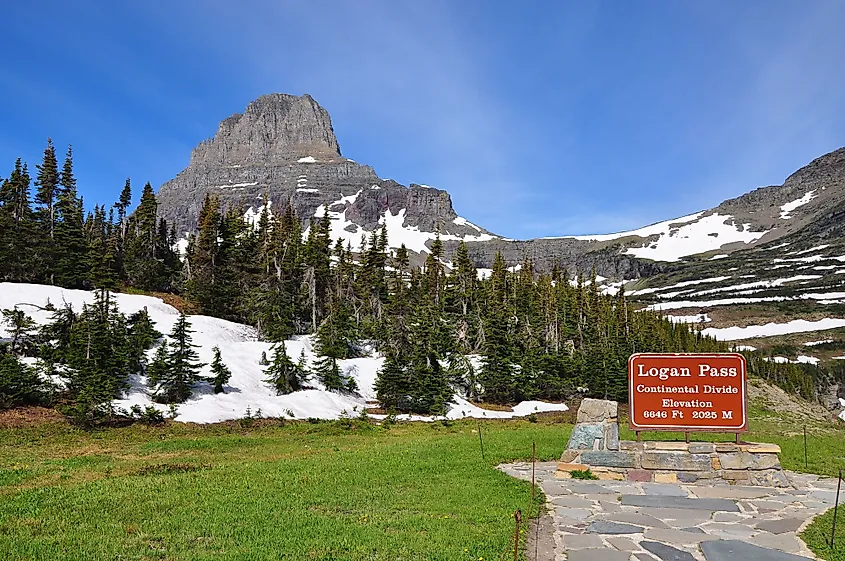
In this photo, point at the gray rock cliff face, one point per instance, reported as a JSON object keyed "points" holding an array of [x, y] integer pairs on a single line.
{"points": [[283, 148]]}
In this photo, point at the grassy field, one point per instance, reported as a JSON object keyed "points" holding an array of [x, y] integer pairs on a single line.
{"points": [[329, 491]]}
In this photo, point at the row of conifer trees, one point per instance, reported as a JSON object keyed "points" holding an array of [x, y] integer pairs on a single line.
{"points": [[544, 335]]}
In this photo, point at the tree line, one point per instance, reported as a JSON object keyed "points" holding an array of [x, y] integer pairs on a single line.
{"points": [[536, 335]]}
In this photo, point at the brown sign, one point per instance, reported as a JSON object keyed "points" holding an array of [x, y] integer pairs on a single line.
{"points": [[687, 392]]}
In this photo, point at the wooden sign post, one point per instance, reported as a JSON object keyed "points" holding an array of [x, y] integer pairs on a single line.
{"points": [[688, 392]]}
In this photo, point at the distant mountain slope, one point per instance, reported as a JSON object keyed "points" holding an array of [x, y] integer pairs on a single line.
{"points": [[283, 147]]}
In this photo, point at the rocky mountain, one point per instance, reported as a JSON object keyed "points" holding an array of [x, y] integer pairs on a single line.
{"points": [[283, 148]]}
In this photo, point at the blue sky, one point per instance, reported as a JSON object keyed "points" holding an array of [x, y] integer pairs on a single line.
{"points": [[539, 118]]}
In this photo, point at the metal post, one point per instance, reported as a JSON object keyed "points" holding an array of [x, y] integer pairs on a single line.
{"points": [[806, 461], [480, 440], [518, 517], [686, 435], [835, 510], [738, 441], [638, 436], [533, 467]]}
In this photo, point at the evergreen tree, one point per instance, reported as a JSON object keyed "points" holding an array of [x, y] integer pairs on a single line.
{"points": [[283, 374], [96, 351], [393, 385], [174, 385], [141, 336], [497, 372], [69, 236], [204, 261], [18, 227], [19, 384], [144, 267], [158, 368], [47, 183], [220, 372], [21, 327]]}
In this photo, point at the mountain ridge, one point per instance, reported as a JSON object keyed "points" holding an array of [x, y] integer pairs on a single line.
{"points": [[283, 147]]}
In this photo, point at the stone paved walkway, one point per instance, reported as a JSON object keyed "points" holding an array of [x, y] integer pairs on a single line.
{"points": [[629, 521]]}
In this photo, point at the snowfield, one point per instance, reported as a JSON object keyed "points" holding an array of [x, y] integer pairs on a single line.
{"points": [[770, 329], [241, 351], [681, 237]]}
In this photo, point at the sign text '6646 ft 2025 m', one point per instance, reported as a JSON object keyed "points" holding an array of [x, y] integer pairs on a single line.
{"points": [[687, 392]]}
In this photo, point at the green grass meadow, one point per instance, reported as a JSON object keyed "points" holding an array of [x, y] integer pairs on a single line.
{"points": [[344, 490]]}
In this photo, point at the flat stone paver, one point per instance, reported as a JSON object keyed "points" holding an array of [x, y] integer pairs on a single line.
{"points": [[602, 554], [659, 501], [606, 527], [637, 519], [572, 501], [729, 550], [701, 521], [667, 553], [677, 537], [584, 541], [622, 543], [780, 526]]}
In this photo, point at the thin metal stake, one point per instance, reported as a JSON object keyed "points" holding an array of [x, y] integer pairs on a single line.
{"points": [[835, 510], [518, 517], [533, 466], [480, 440], [806, 462]]}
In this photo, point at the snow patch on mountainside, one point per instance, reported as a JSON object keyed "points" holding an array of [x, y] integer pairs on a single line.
{"points": [[771, 329], [398, 232], [241, 351], [681, 237], [786, 209], [703, 234], [652, 230]]}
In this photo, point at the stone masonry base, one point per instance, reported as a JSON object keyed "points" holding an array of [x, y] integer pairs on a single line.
{"points": [[680, 462]]}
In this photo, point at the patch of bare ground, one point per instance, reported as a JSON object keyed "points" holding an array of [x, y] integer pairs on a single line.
{"points": [[772, 398], [29, 416], [743, 316]]}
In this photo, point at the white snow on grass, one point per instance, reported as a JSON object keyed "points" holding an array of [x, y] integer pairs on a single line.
{"points": [[720, 256], [814, 343], [801, 359], [241, 352], [679, 304], [772, 329], [740, 348], [839, 358], [812, 249], [700, 318], [461, 408], [677, 285], [757, 284], [787, 208], [704, 234], [305, 190], [308, 160]]}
